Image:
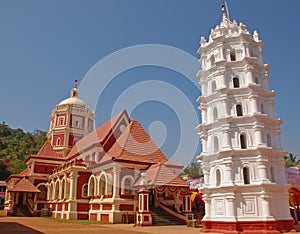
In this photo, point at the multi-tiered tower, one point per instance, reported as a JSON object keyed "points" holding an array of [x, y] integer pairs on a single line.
{"points": [[242, 158], [70, 121]]}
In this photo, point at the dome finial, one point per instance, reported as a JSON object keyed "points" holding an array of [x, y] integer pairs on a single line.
{"points": [[75, 84], [74, 91]]}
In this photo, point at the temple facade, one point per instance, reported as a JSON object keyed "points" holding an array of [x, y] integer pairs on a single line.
{"points": [[108, 174]]}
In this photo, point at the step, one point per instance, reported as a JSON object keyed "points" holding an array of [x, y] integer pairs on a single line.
{"points": [[163, 218]]}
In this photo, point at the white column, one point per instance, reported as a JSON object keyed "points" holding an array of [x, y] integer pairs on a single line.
{"points": [[226, 134], [263, 170], [230, 207], [116, 173], [34, 201], [266, 205], [73, 185], [253, 104], [48, 192], [203, 113], [224, 100], [204, 142], [223, 80], [228, 173], [249, 75], [206, 176], [221, 53], [258, 135], [32, 168], [207, 202]]}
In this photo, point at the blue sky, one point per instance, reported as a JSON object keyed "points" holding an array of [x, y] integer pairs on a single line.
{"points": [[46, 45]]}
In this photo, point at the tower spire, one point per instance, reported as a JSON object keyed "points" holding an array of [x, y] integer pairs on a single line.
{"points": [[225, 9], [74, 91]]}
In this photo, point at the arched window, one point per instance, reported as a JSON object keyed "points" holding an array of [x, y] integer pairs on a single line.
{"points": [[236, 82], [67, 187], [102, 185], [239, 110], [272, 174], [246, 175], [43, 194], [218, 177], [216, 144], [256, 80], [128, 186], [62, 189], [215, 114], [243, 141], [213, 86], [85, 190], [91, 187], [232, 55], [262, 110], [58, 141], [212, 60], [56, 190], [51, 192], [269, 142]]}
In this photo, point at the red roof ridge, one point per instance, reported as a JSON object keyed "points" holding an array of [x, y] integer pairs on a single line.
{"points": [[127, 136], [157, 171], [98, 136], [159, 174], [24, 185], [134, 144]]}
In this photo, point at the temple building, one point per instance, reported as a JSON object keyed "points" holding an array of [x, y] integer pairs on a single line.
{"points": [[245, 188], [108, 174]]}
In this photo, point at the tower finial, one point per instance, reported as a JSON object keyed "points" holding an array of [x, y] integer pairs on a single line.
{"points": [[74, 91], [225, 10], [75, 84]]}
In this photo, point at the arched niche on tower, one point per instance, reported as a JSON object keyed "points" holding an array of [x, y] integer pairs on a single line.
{"points": [[217, 176]]}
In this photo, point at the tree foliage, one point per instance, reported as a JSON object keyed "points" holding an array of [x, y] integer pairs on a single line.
{"points": [[193, 170], [15, 147], [291, 160]]}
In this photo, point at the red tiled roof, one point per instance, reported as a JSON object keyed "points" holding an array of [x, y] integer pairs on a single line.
{"points": [[46, 151], [26, 172], [99, 136], [135, 145], [160, 174], [24, 186]]}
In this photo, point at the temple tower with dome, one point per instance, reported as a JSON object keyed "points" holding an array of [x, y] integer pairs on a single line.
{"points": [[70, 121], [242, 159]]}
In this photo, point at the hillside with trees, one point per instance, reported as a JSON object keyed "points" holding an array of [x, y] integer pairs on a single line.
{"points": [[15, 146]]}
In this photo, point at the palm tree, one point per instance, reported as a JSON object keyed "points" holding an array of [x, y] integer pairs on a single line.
{"points": [[291, 160]]}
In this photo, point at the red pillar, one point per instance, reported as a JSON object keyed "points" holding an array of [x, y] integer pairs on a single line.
{"points": [[143, 217]]}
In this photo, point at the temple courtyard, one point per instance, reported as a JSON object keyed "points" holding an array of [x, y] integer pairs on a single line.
{"points": [[46, 225]]}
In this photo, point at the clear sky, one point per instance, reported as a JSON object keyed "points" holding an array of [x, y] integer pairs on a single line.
{"points": [[46, 45]]}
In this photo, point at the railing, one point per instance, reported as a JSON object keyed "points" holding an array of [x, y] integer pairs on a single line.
{"points": [[172, 212], [29, 206]]}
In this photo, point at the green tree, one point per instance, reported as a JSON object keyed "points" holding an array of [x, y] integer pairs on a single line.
{"points": [[193, 170], [291, 160], [15, 146], [4, 172]]}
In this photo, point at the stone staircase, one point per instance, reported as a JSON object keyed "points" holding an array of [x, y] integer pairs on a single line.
{"points": [[163, 218], [21, 211]]}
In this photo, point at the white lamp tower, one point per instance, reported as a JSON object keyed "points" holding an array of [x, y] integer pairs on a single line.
{"points": [[242, 159]]}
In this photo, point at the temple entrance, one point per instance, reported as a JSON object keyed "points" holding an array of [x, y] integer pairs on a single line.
{"points": [[20, 198]]}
